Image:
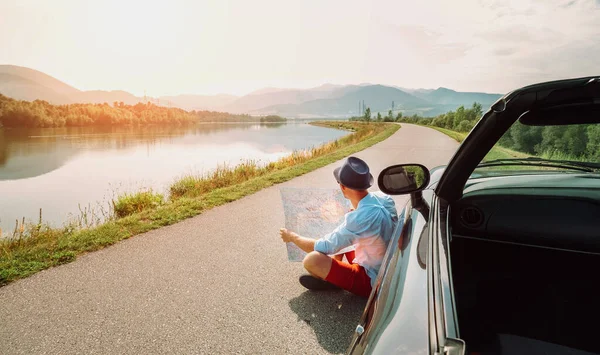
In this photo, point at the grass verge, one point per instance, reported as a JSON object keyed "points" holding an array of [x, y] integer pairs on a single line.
{"points": [[39, 247], [131, 203], [496, 152]]}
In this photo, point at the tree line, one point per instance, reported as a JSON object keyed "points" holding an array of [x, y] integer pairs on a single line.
{"points": [[461, 120], [379, 118], [571, 142], [272, 119], [40, 113], [575, 142]]}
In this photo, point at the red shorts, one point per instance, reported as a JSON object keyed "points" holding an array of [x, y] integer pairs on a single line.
{"points": [[350, 277]]}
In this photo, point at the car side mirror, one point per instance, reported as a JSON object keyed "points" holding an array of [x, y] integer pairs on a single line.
{"points": [[403, 179]]}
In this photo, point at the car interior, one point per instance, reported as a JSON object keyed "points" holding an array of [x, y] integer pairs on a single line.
{"points": [[524, 254]]}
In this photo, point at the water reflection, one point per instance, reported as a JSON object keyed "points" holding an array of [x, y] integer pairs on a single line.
{"points": [[26, 153], [59, 169]]}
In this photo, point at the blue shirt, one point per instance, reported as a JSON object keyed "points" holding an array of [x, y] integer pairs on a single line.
{"points": [[369, 228]]}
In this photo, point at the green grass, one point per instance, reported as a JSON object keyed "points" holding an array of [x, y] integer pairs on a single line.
{"points": [[38, 247], [223, 176], [131, 203], [562, 156], [497, 152], [457, 136]]}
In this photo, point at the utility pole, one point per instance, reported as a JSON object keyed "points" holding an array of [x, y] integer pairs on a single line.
{"points": [[392, 106]]}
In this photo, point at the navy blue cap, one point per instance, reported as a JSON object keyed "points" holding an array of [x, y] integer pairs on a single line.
{"points": [[354, 174]]}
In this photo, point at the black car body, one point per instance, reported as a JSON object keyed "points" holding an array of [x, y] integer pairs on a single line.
{"points": [[495, 261]]}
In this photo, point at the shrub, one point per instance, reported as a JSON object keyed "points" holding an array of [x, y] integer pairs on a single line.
{"points": [[465, 126], [131, 203]]}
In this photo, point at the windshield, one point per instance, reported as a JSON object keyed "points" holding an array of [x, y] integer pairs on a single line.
{"points": [[526, 149]]}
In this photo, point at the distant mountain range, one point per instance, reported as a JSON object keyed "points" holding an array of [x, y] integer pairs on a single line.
{"points": [[327, 100]]}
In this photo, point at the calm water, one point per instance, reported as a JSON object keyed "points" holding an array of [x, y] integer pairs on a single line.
{"points": [[67, 169]]}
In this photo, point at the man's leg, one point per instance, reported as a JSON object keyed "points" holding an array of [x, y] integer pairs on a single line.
{"points": [[318, 264], [351, 277]]}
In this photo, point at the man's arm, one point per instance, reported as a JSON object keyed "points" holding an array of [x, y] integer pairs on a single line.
{"points": [[306, 244]]}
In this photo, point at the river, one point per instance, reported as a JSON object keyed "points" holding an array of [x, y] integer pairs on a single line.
{"points": [[76, 171]]}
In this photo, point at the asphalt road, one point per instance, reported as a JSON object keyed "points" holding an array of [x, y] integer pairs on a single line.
{"points": [[216, 283]]}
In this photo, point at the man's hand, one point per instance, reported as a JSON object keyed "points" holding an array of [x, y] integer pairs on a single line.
{"points": [[306, 244], [286, 235]]}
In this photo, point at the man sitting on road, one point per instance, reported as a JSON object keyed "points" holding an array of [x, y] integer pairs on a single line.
{"points": [[368, 226]]}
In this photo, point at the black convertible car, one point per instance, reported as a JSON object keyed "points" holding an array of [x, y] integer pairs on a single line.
{"points": [[497, 252]]}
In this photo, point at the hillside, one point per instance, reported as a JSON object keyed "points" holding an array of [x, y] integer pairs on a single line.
{"points": [[377, 97], [100, 96], [444, 96], [326, 100], [27, 84], [198, 102]]}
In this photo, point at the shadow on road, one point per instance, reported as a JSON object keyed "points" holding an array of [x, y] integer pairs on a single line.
{"points": [[332, 314]]}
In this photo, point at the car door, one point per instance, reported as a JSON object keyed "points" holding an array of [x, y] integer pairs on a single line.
{"points": [[444, 337], [395, 319]]}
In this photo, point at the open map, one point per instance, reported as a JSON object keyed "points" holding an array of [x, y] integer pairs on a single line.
{"points": [[312, 213]]}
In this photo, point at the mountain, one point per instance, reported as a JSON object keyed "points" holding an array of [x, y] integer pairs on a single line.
{"points": [[254, 102], [343, 101], [268, 90], [416, 92], [444, 96], [100, 96], [327, 87], [198, 102], [27, 84], [265, 100], [377, 97], [324, 100]]}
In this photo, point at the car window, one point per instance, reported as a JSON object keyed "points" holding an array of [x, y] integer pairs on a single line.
{"points": [[526, 149]]}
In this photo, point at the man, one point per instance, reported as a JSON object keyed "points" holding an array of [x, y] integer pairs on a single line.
{"points": [[368, 227]]}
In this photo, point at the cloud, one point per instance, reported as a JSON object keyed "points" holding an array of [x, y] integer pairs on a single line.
{"points": [[506, 51], [237, 46], [500, 45], [429, 44]]}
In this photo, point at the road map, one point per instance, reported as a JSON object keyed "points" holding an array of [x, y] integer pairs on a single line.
{"points": [[312, 213]]}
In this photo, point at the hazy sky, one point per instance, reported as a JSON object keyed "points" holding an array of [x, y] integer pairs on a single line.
{"points": [[206, 47]]}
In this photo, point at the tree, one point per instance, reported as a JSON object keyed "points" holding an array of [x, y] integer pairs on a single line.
{"points": [[459, 116], [478, 110], [593, 143], [378, 116], [525, 138], [398, 116], [465, 126], [439, 121], [389, 117], [449, 121], [368, 114]]}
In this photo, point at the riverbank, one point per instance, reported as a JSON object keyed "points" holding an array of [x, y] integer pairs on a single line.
{"points": [[37, 247], [42, 114]]}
